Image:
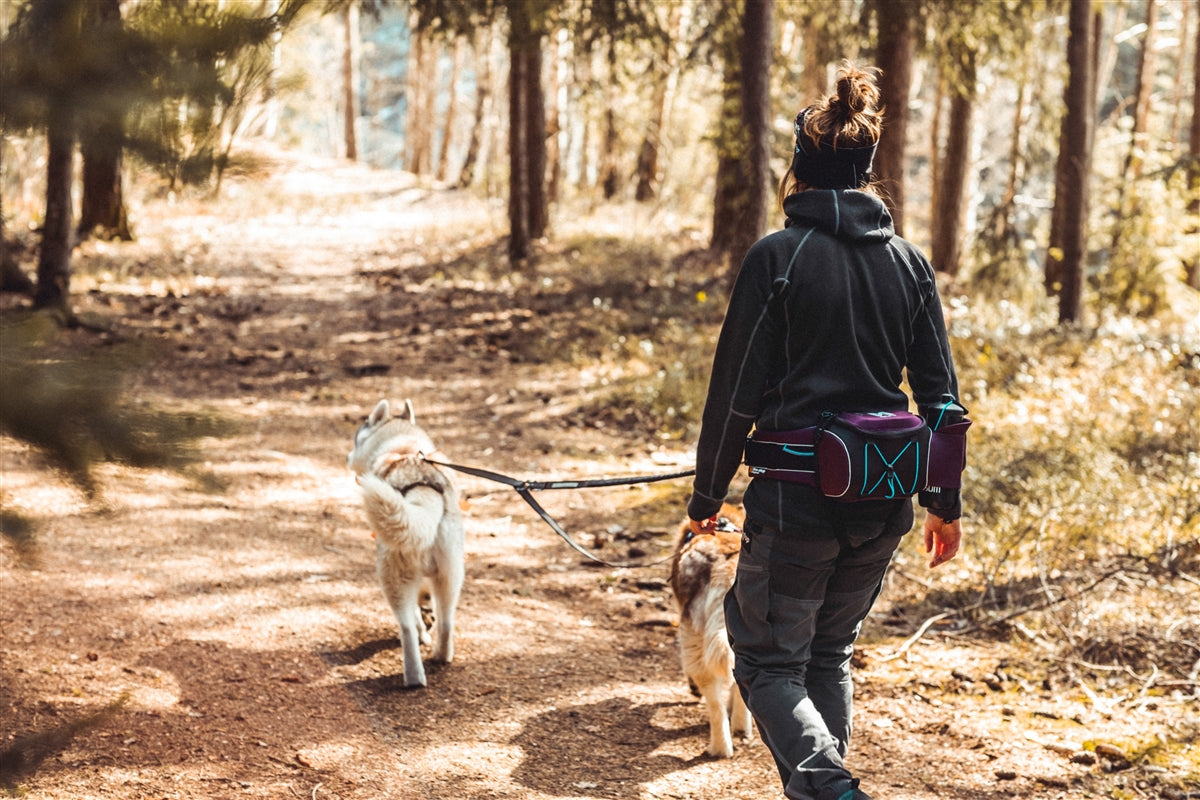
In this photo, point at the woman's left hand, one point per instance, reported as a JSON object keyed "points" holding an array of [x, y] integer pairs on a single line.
{"points": [[941, 538]]}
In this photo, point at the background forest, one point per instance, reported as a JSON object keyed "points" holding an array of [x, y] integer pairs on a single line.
{"points": [[591, 171]]}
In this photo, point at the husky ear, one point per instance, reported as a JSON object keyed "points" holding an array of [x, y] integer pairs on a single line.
{"points": [[379, 414], [408, 414]]}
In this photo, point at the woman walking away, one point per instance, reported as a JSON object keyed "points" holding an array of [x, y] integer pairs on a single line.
{"points": [[825, 317]]}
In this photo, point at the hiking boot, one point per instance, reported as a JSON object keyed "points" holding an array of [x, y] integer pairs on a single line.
{"points": [[853, 793]]}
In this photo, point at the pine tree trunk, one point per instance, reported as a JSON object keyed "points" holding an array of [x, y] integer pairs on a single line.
{"points": [[349, 34], [610, 177], [648, 154], [102, 205], [535, 140], [1139, 142], [12, 279], [756, 51], [935, 137], [451, 112], [1076, 141], [419, 134], [647, 161], [527, 208], [483, 89], [729, 198], [813, 77], [1179, 90], [730, 183], [54, 259], [1101, 63], [519, 170], [951, 197], [553, 127], [1002, 216], [1193, 172], [894, 59]]}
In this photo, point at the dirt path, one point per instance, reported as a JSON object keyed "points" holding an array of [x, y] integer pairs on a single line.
{"points": [[244, 628]]}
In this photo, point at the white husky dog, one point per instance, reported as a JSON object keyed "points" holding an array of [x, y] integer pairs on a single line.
{"points": [[413, 510]]}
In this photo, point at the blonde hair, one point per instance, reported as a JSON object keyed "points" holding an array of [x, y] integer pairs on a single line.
{"points": [[850, 118]]}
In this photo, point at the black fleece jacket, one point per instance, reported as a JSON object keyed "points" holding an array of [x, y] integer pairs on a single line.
{"points": [[826, 315]]}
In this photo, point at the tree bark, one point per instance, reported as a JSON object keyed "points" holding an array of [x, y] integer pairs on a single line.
{"points": [[647, 161], [535, 139], [553, 125], [419, 134], [12, 278], [1193, 172], [102, 205], [951, 197], [756, 52], [1002, 216], [730, 184], [935, 136], [1076, 142], [54, 259], [648, 155], [1099, 64], [813, 79], [894, 59], [483, 89], [743, 136], [519, 170], [451, 112], [1179, 90], [610, 176], [349, 51], [527, 208], [1139, 142]]}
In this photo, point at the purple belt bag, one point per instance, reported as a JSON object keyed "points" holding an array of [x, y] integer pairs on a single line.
{"points": [[948, 455], [877, 455], [880, 455]]}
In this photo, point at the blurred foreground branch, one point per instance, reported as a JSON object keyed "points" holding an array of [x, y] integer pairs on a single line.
{"points": [[71, 407]]}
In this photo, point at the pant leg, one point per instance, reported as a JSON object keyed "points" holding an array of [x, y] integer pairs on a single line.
{"points": [[792, 615], [849, 596], [771, 632]]}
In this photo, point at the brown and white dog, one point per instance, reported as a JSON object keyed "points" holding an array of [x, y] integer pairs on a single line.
{"points": [[702, 571], [413, 510]]}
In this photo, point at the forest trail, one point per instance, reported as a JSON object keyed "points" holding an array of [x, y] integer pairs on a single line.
{"points": [[244, 628]]}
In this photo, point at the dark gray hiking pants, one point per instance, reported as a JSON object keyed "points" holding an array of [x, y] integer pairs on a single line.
{"points": [[793, 614]]}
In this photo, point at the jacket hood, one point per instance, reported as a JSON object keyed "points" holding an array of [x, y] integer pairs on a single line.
{"points": [[847, 214]]}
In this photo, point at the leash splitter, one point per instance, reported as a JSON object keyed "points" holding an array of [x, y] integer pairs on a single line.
{"points": [[526, 488]]}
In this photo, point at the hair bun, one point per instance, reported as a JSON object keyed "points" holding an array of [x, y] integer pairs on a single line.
{"points": [[851, 117], [856, 90]]}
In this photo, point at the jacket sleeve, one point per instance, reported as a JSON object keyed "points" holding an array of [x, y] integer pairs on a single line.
{"points": [[747, 347], [932, 377], [930, 365]]}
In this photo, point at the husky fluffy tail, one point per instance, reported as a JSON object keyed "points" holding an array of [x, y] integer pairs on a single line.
{"points": [[409, 520]]}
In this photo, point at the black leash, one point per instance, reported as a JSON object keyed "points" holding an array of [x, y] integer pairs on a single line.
{"points": [[527, 488]]}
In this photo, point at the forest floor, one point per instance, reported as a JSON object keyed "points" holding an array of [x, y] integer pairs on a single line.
{"points": [[243, 631]]}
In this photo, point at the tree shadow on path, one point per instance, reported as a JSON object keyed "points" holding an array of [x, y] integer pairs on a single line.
{"points": [[613, 743]]}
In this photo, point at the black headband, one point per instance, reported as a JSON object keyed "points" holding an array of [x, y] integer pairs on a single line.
{"points": [[827, 167]]}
